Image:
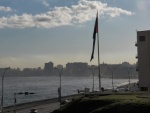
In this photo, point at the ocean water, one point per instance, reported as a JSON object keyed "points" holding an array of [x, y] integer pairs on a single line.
{"points": [[46, 87]]}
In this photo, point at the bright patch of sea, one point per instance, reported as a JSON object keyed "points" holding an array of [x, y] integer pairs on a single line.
{"points": [[46, 87]]}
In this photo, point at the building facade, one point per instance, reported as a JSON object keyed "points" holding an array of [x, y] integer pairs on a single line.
{"points": [[76, 68], [48, 68], [143, 56]]}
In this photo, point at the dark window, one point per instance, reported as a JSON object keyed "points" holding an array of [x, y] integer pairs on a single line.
{"points": [[142, 38]]}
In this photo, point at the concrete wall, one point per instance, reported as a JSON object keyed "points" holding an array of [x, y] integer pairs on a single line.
{"points": [[143, 47]]}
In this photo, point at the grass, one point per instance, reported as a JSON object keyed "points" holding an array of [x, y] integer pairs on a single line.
{"points": [[120, 103]]}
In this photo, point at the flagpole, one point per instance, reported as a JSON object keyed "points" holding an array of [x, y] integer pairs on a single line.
{"points": [[92, 56], [98, 62], [99, 75]]}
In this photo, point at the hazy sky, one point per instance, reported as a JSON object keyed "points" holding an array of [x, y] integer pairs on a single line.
{"points": [[33, 32]]}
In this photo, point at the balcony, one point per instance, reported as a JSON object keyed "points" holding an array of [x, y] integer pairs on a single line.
{"points": [[137, 69], [136, 44]]}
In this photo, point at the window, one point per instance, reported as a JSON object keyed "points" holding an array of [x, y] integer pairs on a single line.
{"points": [[141, 38]]}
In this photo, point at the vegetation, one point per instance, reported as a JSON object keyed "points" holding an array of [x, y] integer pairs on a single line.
{"points": [[121, 103]]}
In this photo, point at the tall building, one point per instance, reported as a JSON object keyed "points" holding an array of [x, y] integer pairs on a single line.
{"points": [[48, 68], [76, 68], [143, 56]]}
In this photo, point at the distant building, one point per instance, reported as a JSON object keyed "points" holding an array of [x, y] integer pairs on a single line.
{"points": [[48, 68], [1, 69], [27, 71], [126, 64], [143, 56], [59, 66], [76, 68]]}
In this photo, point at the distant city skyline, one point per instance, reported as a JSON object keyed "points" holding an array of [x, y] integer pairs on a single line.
{"points": [[75, 69], [37, 31], [64, 66]]}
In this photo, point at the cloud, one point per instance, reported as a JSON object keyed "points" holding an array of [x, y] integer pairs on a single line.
{"points": [[45, 3], [5, 9], [84, 11]]}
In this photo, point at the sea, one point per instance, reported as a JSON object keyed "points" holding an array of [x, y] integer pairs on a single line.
{"points": [[46, 87]]}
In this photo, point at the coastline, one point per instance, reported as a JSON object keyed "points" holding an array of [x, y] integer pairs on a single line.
{"points": [[54, 101]]}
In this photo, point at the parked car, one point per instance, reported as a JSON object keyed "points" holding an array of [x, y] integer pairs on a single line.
{"points": [[127, 89], [115, 90], [64, 102], [34, 110]]}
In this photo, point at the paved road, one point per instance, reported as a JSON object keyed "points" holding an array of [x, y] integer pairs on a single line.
{"points": [[47, 108], [43, 106]]}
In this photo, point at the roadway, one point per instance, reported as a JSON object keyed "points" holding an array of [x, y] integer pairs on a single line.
{"points": [[43, 106]]}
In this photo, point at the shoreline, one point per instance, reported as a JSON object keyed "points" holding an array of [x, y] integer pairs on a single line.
{"points": [[33, 104]]}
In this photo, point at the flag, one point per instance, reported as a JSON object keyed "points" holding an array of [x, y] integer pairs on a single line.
{"points": [[94, 36]]}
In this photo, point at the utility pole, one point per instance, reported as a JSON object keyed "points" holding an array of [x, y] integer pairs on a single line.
{"points": [[20, 93]]}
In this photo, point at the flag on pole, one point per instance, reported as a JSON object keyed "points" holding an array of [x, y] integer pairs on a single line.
{"points": [[94, 36]]}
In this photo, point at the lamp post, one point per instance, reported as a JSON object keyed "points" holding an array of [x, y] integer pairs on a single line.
{"points": [[59, 89], [93, 72], [129, 70], [112, 73], [2, 88]]}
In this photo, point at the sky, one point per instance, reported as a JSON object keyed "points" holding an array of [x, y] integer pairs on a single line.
{"points": [[33, 32]]}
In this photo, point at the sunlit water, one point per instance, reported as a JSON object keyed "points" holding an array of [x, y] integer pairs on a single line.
{"points": [[46, 87]]}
